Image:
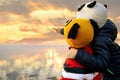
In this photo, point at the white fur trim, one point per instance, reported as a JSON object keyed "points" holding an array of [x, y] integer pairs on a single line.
{"points": [[78, 76]]}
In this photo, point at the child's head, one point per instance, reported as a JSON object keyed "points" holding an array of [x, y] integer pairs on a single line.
{"points": [[93, 10]]}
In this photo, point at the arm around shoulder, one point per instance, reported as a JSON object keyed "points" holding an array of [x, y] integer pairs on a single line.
{"points": [[97, 62]]}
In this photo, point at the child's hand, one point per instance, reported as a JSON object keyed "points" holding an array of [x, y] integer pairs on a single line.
{"points": [[72, 53], [57, 30]]}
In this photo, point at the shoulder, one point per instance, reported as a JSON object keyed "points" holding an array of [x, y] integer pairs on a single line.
{"points": [[102, 40], [102, 43]]}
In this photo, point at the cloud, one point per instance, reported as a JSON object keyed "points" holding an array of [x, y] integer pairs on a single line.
{"points": [[28, 29], [118, 19], [31, 26], [118, 38], [16, 7], [33, 19], [117, 22], [27, 6], [51, 38], [58, 22], [7, 18], [38, 24]]}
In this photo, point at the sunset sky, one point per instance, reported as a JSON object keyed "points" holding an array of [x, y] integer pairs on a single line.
{"points": [[27, 23]]}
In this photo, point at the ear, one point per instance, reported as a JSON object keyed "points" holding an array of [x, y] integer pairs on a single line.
{"points": [[73, 31], [105, 5], [91, 4], [95, 25], [67, 22], [81, 7]]}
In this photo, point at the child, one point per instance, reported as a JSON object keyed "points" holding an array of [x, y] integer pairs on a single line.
{"points": [[106, 58]]}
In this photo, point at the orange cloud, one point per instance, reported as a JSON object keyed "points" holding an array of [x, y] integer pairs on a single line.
{"points": [[118, 19], [36, 26], [46, 14], [33, 20], [118, 38]]}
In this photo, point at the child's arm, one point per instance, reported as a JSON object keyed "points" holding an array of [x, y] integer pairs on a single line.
{"points": [[97, 62]]}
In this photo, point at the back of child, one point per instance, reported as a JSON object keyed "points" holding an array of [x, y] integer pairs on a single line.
{"points": [[85, 32], [106, 58]]}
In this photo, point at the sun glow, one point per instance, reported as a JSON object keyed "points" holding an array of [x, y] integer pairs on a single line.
{"points": [[118, 19], [50, 58], [50, 63], [46, 14], [3, 63], [54, 59]]}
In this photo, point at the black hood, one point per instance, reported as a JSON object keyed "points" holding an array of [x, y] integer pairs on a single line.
{"points": [[108, 29]]}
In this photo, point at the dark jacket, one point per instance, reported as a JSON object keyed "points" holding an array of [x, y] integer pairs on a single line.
{"points": [[106, 58]]}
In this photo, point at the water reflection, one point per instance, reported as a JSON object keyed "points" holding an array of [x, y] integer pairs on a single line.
{"points": [[45, 66]]}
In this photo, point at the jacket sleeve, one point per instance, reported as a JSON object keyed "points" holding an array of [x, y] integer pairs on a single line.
{"points": [[97, 62]]}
